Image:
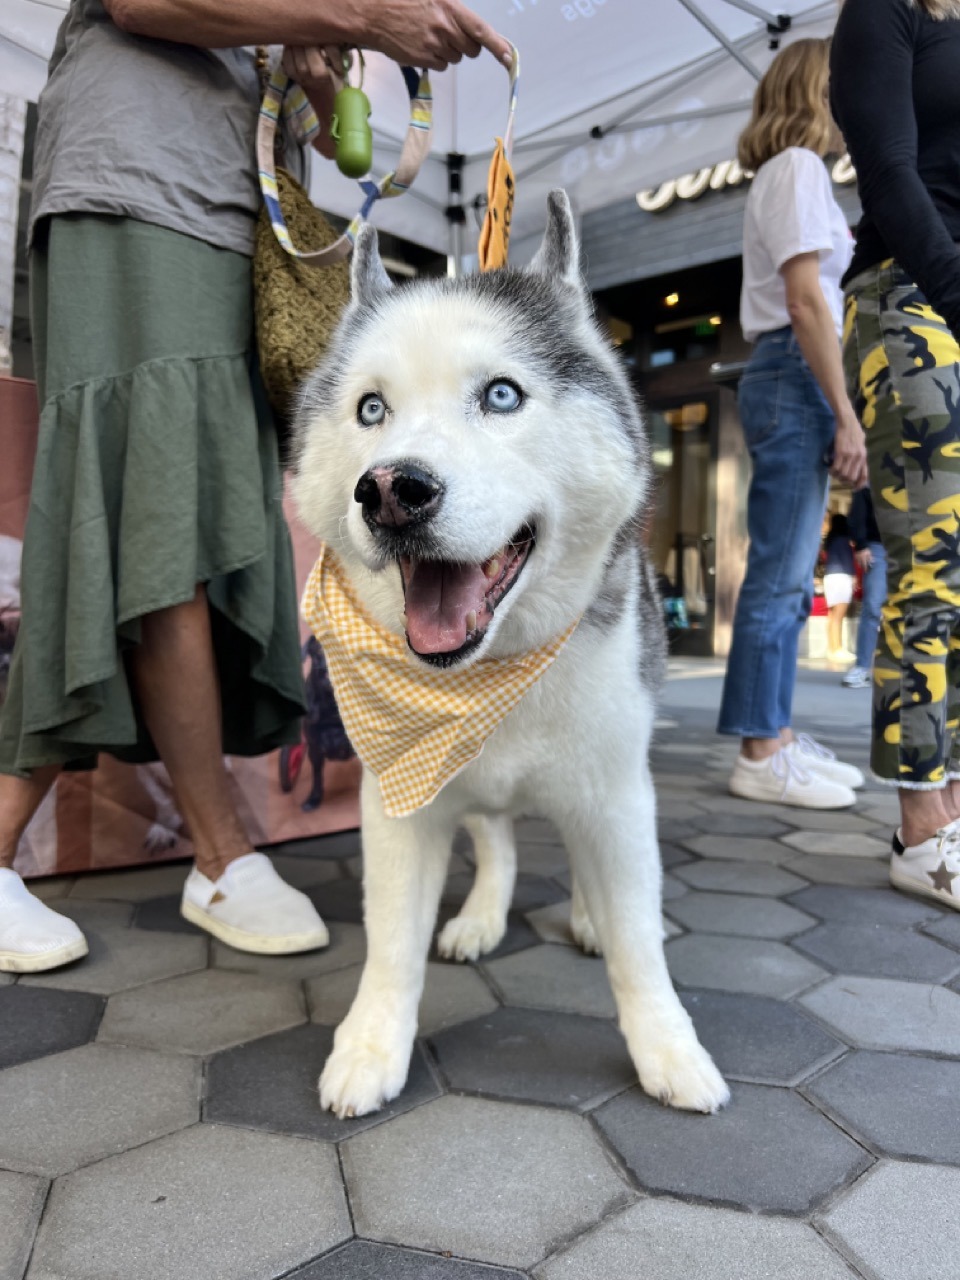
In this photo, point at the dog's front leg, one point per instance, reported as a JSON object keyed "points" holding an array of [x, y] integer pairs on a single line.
{"points": [[616, 861], [482, 920], [404, 864]]}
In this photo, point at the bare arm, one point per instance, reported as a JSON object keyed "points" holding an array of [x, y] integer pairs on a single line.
{"points": [[424, 33], [813, 324]]}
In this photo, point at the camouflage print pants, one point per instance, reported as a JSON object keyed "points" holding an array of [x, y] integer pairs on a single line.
{"points": [[903, 373]]}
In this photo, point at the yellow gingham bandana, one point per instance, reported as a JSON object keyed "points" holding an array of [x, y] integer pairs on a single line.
{"points": [[414, 728]]}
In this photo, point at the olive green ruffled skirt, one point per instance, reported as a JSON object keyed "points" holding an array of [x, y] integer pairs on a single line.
{"points": [[156, 470]]}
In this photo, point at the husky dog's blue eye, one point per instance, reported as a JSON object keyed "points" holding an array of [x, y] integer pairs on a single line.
{"points": [[502, 396], [371, 410]]}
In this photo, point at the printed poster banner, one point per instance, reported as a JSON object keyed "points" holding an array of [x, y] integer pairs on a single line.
{"points": [[124, 815]]}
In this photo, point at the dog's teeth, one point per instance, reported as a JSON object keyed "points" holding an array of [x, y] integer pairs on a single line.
{"points": [[492, 567], [472, 620]]}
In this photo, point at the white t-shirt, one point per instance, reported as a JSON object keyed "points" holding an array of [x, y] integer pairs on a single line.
{"points": [[790, 210]]}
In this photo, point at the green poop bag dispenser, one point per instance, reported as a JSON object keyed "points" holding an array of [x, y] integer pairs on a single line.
{"points": [[350, 129]]}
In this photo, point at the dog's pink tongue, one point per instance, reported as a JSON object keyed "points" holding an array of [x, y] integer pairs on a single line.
{"points": [[439, 598]]}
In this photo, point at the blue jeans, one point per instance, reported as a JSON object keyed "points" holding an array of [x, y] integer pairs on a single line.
{"points": [[788, 427], [874, 594]]}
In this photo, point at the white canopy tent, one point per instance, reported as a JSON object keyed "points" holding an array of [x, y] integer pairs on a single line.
{"points": [[615, 96]]}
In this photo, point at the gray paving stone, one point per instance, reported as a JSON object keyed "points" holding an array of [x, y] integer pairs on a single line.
{"points": [[6, 979], [879, 950], [879, 1013], [901, 1104], [79, 1106], [337, 844], [671, 829], [123, 958], [946, 928], [662, 1240], [529, 892], [756, 1039], [425, 1180], [734, 824], [212, 1203], [202, 1012], [44, 887], [738, 914], [865, 872], [519, 936], [36, 1023], [136, 885], [339, 900], [536, 830], [347, 947], [451, 994], [552, 924], [842, 821], [671, 855], [857, 906], [768, 1150], [893, 1222], [849, 844], [162, 915], [739, 848], [90, 914], [557, 1058], [552, 977], [717, 801], [21, 1203], [272, 1084], [759, 878], [538, 859], [363, 1260], [748, 965]]}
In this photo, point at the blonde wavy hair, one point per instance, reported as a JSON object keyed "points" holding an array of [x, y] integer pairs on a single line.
{"points": [[938, 8], [790, 105]]}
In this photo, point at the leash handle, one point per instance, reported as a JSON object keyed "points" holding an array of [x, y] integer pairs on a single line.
{"points": [[494, 242]]}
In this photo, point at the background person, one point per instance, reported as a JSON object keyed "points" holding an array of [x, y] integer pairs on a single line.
{"points": [[896, 95], [795, 415], [839, 580], [872, 561], [159, 609]]}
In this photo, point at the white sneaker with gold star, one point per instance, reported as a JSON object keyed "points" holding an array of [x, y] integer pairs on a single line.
{"points": [[931, 868]]}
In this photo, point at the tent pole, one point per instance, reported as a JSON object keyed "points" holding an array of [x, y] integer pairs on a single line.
{"points": [[454, 212], [720, 37]]}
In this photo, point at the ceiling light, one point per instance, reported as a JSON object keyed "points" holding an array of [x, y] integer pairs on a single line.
{"points": [[671, 299]]}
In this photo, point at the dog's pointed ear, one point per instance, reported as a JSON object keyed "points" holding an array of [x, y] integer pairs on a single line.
{"points": [[558, 257], [368, 277]]}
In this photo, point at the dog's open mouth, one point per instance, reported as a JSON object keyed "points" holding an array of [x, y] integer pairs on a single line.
{"points": [[448, 606]]}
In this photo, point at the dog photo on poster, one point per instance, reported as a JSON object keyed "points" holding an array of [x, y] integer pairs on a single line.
{"points": [[123, 815]]}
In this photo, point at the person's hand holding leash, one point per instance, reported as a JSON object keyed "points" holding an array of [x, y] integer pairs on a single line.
{"points": [[319, 74], [432, 34], [864, 558]]}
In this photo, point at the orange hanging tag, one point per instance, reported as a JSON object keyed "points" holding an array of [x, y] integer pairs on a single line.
{"points": [[495, 232]]}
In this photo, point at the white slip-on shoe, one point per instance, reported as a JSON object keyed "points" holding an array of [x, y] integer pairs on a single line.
{"points": [[782, 779], [811, 754], [32, 936], [251, 908], [856, 678], [931, 868]]}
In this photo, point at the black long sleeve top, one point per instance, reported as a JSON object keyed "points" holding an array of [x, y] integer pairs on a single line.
{"points": [[862, 520], [895, 92]]}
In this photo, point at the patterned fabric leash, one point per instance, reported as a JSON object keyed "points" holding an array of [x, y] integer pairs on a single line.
{"points": [[501, 189], [284, 98]]}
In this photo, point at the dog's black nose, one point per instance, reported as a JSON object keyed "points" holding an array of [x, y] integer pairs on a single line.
{"points": [[398, 495]]}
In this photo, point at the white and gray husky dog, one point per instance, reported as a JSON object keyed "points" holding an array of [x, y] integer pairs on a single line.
{"points": [[473, 452]]}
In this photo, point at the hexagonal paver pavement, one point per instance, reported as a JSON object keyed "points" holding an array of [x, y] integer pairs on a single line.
{"points": [[854, 906], [89, 913], [768, 1150], [202, 1012], [35, 1023], [425, 1180], [211, 1203], [347, 947], [662, 1240], [878, 1013], [529, 892], [750, 965], [556, 1058], [879, 950], [21, 1203], [947, 929], [720, 876], [850, 844], [757, 1039], [901, 1104], [897, 1222], [554, 977], [739, 914], [123, 958], [132, 886], [79, 1106], [864, 872], [739, 848], [272, 1084], [363, 1260], [451, 994]]}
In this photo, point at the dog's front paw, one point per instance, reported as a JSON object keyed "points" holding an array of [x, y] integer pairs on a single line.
{"points": [[584, 934], [469, 937], [683, 1075], [360, 1077]]}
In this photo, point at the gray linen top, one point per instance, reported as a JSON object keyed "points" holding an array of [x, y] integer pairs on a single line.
{"points": [[148, 129]]}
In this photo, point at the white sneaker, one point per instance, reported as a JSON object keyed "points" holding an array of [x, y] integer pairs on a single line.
{"points": [[932, 868], [252, 909], [856, 678], [841, 657], [32, 937], [783, 779], [811, 754]]}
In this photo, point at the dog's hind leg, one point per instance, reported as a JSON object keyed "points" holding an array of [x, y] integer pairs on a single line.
{"points": [[482, 920], [404, 865], [581, 926], [617, 865]]}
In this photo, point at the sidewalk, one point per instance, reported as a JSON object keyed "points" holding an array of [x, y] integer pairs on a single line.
{"points": [[159, 1119]]}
